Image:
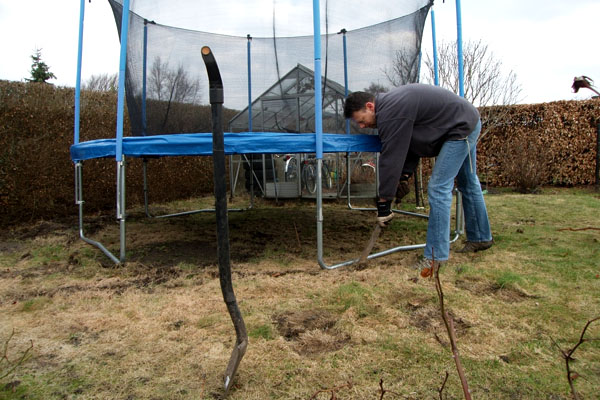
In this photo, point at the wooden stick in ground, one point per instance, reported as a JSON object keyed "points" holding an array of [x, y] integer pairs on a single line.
{"points": [[449, 323], [441, 389], [370, 244], [297, 236]]}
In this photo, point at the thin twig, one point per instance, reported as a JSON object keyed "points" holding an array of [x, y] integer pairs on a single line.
{"points": [[449, 323], [11, 366], [441, 389], [383, 391], [588, 228], [568, 356], [332, 390]]}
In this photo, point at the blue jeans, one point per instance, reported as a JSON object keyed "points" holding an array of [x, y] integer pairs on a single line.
{"points": [[457, 159]]}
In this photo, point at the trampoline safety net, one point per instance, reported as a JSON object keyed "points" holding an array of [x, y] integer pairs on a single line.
{"points": [[266, 58]]}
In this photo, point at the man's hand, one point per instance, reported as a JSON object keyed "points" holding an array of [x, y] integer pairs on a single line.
{"points": [[384, 213], [403, 188]]}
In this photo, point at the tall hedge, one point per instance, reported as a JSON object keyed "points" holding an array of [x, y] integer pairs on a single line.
{"points": [[36, 171], [555, 140]]}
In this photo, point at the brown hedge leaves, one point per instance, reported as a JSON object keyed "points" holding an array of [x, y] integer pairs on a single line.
{"points": [[539, 144]]}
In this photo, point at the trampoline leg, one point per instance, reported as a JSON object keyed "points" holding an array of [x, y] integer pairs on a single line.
{"points": [[121, 206], [145, 183], [79, 202]]}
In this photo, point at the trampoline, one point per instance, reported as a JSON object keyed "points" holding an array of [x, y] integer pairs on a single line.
{"points": [[160, 96]]}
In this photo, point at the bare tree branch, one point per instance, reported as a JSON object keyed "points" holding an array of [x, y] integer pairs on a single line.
{"points": [[333, 391], [441, 389], [404, 70], [384, 391], [568, 356], [485, 83], [102, 83], [7, 366], [449, 323], [171, 86]]}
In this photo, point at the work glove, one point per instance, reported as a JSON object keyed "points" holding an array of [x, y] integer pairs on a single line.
{"points": [[384, 213], [403, 188]]}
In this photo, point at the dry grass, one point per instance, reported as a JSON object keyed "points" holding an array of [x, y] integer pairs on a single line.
{"points": [[157, 327]]}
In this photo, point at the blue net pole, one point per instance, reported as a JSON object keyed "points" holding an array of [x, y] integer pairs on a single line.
{"points": [[78, 80], [343, 32], [436, 73], [144, 77], [459, 50], [121, 92], [318, 100], [249, 47]]}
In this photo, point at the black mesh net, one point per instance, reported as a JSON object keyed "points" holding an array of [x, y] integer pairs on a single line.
{"points": [[166, 82]]}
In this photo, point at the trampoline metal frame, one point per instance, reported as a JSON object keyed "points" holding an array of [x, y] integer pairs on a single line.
{"points": [[180, 213], [121, 218]]}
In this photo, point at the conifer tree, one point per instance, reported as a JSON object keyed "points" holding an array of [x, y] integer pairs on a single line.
{"points": [[40, 71]]}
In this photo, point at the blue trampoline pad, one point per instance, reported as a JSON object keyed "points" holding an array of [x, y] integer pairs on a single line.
{"points": [[200, 144]]}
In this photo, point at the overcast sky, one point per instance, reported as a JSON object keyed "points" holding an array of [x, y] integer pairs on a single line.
{"points": [[545, 42]]}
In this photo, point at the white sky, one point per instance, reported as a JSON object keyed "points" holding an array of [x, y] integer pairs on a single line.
{"points": [[545, 42]]}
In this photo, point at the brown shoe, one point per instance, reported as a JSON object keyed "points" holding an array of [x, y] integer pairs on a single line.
{"points": [[425, 266], [474, 247]]}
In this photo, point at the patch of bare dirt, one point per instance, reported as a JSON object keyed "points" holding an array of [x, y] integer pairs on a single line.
{"points": [[113, 285], [508, 294], [11, 246], [15, 240], [292, 323], [426, 316], [172, 252], [42, 228], [312, 331]]}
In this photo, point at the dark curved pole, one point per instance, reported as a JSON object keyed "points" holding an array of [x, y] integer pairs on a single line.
{"points": [[216, 103]]}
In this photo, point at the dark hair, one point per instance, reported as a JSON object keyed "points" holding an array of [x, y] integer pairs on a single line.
{"points": [[355, 102]]}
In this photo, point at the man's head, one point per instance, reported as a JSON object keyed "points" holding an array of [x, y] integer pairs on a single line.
{"points": [[360, 106]]}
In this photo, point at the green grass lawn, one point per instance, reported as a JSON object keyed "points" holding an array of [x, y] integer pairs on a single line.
{"points": [[157, 327]]}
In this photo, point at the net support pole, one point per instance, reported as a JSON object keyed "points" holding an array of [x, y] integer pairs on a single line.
{"points": [[249, 56], [318, 83], [346, 91], [144, 124], [459, 50], [436, 72], [78, 79], [120, 118], [121, 91], [318, 126], [347, 125], [250, 127], [144, 78]]}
